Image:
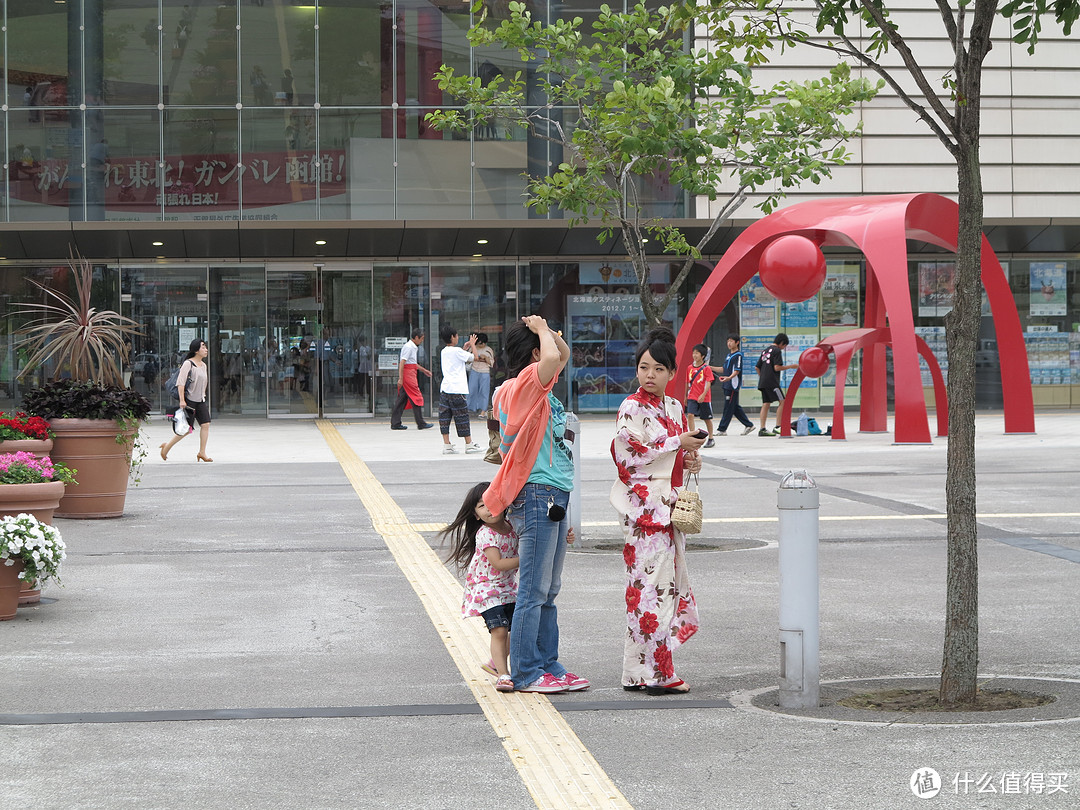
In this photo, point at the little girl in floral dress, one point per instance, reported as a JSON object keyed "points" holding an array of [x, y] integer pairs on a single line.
{"points": [[485, 548]]}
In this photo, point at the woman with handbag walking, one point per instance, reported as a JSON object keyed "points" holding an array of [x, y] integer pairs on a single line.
{"points": [[652, 450], [191, 384]]}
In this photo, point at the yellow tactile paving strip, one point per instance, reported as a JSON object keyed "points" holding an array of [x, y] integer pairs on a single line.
{"points": [[555, 766]]}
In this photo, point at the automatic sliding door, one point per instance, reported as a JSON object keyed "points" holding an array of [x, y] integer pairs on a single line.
{"points": [[345, 343], [292, 321], [319, 327]]}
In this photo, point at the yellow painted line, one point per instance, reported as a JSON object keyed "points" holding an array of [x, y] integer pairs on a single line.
{"points": [[557, 769]]}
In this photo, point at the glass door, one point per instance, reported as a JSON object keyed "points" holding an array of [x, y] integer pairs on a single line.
{"points": [[319, 334]]}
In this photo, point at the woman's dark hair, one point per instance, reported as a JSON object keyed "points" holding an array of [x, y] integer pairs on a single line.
{"points": [[519, 341], [446, 333], [481, 337], [660, 344], [193, 348], [461, 532]]}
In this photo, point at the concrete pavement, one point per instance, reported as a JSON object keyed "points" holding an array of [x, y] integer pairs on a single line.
{"points": [[275, 630]]}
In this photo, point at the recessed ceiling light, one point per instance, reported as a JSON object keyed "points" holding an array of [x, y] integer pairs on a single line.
{"points": [[157, 244], [320, 241], [481, 241], [478, 255]]}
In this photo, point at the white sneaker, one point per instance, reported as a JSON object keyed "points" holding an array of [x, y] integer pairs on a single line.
{"points": [[449, 450], [748, 431], [473, 448]]}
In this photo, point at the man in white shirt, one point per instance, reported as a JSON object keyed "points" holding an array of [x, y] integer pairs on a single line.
{"points": [[408, 392], [454, 390]]}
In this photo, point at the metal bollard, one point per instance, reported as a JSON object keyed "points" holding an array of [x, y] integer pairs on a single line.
{"points": [[800, 673], [573, 441]]}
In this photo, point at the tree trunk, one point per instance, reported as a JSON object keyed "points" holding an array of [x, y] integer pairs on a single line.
{"points": [[960, 661]]}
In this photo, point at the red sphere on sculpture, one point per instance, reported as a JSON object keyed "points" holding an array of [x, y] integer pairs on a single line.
{"points": [[792, 268], [814, 362]]}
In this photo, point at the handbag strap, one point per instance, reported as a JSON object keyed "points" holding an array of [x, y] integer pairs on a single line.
{"points": [[687, 486]]}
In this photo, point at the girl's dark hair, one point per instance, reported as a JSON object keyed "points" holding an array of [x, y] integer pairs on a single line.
{"points": [[193, 348], [660, 343], [519, 342], [481, 337], [461, 531]]}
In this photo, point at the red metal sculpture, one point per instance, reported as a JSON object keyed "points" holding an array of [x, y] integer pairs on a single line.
{"points": [[880, 228]]}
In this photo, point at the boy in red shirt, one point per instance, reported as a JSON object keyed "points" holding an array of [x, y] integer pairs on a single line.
{"points": [[699, 378]]}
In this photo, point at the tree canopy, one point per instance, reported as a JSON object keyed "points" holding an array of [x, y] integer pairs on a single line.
{"points": [[635, 96]]}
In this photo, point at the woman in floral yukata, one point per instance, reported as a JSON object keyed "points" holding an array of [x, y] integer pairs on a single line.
{"points": [[652, 449]]}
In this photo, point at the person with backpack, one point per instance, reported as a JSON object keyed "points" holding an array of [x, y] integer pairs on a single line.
{"points": [[191, 387]]}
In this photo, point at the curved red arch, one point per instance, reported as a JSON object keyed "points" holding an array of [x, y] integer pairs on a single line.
{"points": [[879, 227]]}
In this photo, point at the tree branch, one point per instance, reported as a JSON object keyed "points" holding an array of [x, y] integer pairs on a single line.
{"points": [[946, 137]]}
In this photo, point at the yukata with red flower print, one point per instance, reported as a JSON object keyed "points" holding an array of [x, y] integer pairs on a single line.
{"points": [[486, 587], [660, 609]]}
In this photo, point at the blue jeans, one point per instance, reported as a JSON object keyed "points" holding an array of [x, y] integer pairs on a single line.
{"points": [[534, 641], [479, 391]]}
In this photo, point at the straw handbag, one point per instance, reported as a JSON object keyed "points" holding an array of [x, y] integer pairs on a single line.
{"points": [[686, 513]]}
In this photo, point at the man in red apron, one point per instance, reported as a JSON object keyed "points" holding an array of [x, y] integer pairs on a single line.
{"points": [[408, 391]]}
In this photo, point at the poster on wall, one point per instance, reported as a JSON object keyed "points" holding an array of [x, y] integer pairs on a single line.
{"points": [[753, 345], [936, 288], [603, 335], [1047, 288], [800, 314], [757, 306], [840, 294]]}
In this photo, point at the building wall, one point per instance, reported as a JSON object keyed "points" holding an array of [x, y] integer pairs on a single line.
{"points": [[1030, 120]]}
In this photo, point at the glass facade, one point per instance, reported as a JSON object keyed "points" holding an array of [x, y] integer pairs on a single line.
{"points": [[301, 112], [292, 339], [245, 109]]}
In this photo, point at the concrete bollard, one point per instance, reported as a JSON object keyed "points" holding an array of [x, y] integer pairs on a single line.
{"points": [[573, 441], [800, 673]]}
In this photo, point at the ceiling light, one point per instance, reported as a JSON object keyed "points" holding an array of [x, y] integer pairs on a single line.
{"points": [[157, 244], [320, 241], [478, 255], [481, 241]]}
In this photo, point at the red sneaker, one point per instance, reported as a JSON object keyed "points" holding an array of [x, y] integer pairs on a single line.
{"points": [[546, 683], [574, 683]]}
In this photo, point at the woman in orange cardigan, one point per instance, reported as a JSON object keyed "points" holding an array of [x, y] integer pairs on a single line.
{"points": [[534, 483]]}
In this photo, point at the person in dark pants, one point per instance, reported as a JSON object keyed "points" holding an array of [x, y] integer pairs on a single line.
{"points": [[731, 378], [287, 86], [408, 392], [769, 366]]}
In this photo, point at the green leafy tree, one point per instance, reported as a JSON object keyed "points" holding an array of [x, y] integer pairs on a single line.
{"points": [[640, 101], [950, 105]]}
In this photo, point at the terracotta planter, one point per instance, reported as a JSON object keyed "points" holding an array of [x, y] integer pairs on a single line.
{"points": [[40, 500], [29, 594], [9, 589], [101, 463], [39, 447]]}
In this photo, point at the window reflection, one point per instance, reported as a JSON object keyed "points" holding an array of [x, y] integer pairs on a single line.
{"points": [[200, 179], [281, 166], [331, 97]]}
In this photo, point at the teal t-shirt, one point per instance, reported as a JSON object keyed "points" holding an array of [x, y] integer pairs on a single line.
{"points": [[554, 465]]}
